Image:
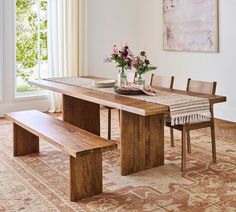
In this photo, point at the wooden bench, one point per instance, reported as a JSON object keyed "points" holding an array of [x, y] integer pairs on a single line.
{"points": [[84, 148]]}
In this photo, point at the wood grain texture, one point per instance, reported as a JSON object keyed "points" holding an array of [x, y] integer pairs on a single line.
{"points": [[183, 146], [162, 81], [106, 99], [137, 110], [204, 88], [213, 99], [109, 123], [85, 149], [85, 176], [70, 139], [172, 137], [119, 102], [213, 142], [201, 87], [81, 113], [188, 142], [24, 142], [142, 142]]}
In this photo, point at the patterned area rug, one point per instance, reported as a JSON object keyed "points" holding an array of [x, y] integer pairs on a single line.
{"points": [[39, 182]]}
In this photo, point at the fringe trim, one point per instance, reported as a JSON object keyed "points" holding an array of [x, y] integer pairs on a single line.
{"points": [[190, 118]]}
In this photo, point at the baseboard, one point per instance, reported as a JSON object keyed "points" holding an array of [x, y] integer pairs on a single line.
{"points": [[38, 104], [225, 113]]}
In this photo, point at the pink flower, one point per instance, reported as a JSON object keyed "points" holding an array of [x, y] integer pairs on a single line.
{"points": [[115, 50]]}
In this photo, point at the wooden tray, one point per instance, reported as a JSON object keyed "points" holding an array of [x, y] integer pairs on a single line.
{"points": [[126, 91]]}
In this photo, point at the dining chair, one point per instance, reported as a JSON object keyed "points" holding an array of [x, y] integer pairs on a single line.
{"points": [[164, 82], [130, 76], [203, 88]]}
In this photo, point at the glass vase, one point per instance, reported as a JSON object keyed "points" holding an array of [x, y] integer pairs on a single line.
{"points": [[139, 80], [121, 80]]}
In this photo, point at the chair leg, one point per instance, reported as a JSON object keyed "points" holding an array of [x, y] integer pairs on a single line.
{"points": [[183, 159], [119, 116], [188, 142], [213, 142], [109, 124], [172, 137]]}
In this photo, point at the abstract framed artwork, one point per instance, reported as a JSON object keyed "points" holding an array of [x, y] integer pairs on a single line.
{"points": [[190, 25]]}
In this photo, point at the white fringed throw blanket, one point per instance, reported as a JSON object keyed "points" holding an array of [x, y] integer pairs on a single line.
{"points": [[183, 108]]}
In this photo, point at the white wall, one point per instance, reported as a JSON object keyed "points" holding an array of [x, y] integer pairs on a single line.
{"points": [[109, 22], [219, 67], [140, 23]]}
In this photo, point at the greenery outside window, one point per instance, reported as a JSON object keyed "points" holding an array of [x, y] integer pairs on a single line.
{"points": [[31, 44]]}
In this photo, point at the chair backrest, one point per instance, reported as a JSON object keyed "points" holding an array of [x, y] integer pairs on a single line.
{"points": [[162, 81], [201, 86]]}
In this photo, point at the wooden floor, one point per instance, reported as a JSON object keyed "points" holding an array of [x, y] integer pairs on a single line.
{"points": [[225, 129]]}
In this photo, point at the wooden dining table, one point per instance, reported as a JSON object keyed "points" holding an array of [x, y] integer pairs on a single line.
{"points": [[141, 122]]}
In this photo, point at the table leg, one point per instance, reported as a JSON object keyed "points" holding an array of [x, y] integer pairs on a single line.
{"points": [[81, 113], [142, 142]]}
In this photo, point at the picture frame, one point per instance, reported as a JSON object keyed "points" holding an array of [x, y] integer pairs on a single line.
{"points": [[191, 25]]}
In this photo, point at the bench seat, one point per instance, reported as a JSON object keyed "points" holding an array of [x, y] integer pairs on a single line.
{"points": [[85, 149]]}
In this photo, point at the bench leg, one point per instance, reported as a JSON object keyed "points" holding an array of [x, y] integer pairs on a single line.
{"points": [[85, 176], [24, 142]]}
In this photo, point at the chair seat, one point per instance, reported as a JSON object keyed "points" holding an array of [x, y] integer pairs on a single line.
{"points": [[191, 126]]}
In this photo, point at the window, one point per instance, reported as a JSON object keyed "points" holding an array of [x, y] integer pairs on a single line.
{"points": [[31, 44]]}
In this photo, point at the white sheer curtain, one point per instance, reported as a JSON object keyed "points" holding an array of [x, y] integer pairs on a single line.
{"points": [[63, 43]]}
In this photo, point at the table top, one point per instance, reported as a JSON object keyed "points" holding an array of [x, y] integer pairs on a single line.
{"points": [[116, 101]]}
